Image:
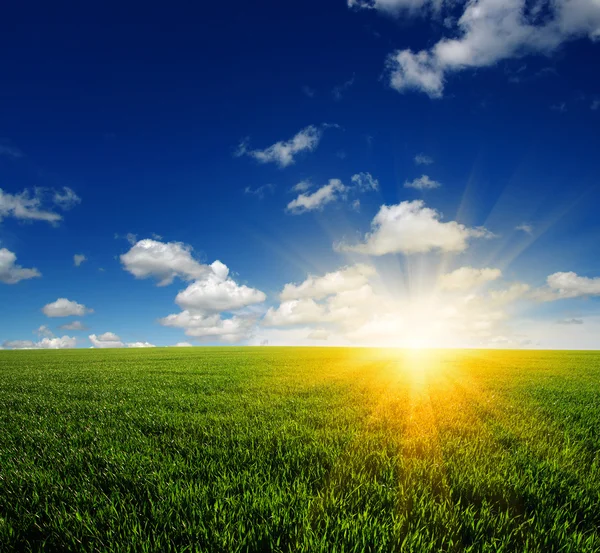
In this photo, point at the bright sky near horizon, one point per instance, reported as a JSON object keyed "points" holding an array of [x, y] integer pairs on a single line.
{"points": [[329, 172]]}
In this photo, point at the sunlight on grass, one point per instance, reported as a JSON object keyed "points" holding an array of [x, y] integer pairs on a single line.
{"points": [[300, 449]]}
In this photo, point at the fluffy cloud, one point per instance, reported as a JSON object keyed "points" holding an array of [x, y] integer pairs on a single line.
{"points": [[422, 183], [295, 312], [75, 325], [29, 206], [44, 331], [217, 293], [283, 153], [569, 285], [342, 280], [411, 227], [78, 259], [514, 292], [10, 272], [341, 297], [183, 345], [211, 293], [110, 340], [196, 325], [328, 193], [487, 32], [106, 340], [423, 159], [140, 345], [467, 278], [65, 342], [63, 307], [163, 261]]}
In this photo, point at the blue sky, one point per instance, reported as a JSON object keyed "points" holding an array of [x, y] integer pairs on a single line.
{"points": [[386, 172]]}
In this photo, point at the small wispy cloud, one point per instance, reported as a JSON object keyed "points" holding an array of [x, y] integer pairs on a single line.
{"points": [[327, 193], [37, 205], [570, 322], [75, 325], [423, 159], [309, 92], [10, 151], [302, 186], [422, 183], [595, 104], [78, 259], [259, 191], [339, 90], [284, 152], [527, 228], [560, 108]]}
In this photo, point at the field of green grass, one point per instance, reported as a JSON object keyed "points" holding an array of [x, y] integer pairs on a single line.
{"points": [[298, 449]]}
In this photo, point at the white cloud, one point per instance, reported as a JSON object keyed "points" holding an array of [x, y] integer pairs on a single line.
{"points": [[75, 325], [422, 183], [183, 345], [10, 272], [423, 159], [525, 227], [106, 340], [395, 7], [19, 344], [163, 261], [467, 278], [342, 280], [44, 331], [364, 182], [570, 322], [63, 307], [331, 192], [216, 292], [319, 198], [78, 259], [514, 292], [65, 342], [140, 345], [569, 285], [26, 206], [411, 227], [29, 206], [283, 153], [295, 312], [487, 32], [234, 329], [302, 186]]}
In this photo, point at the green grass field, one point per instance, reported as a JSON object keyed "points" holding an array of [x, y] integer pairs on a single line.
{"points": [[295, 449]]}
